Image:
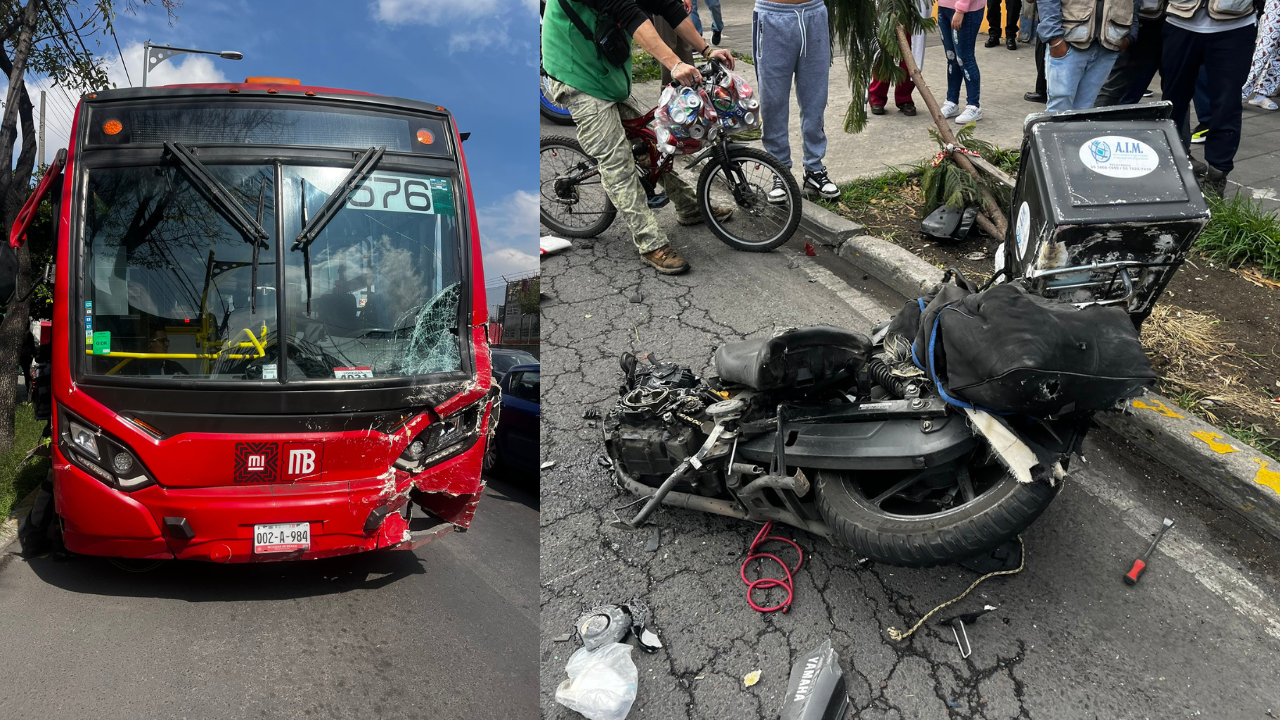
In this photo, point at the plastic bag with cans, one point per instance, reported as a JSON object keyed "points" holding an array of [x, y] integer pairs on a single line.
{"points": [[684, 118], [736, 103]]}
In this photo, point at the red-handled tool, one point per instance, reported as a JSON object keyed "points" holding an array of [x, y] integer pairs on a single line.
{"points": [[1141, 563]]}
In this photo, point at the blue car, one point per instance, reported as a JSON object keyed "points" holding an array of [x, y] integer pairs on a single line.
{"points": [[515, 444]]}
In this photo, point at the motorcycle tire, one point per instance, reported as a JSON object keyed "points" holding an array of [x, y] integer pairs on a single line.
{"points": [[979, 526], [607, 215], [739, 154]]}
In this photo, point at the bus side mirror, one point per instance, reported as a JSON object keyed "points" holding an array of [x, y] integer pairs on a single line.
{"points": [[8, 272]]}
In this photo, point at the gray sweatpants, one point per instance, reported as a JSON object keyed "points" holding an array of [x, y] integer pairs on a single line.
{"points": [[792, 41]]}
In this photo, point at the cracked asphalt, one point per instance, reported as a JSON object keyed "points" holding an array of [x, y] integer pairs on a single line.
{"points": [[447, 630], [1199, 636]]}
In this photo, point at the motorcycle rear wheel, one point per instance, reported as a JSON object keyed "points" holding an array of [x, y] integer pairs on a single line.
{"points": [[984, 523]]}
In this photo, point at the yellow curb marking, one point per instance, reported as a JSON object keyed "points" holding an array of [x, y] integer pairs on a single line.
{"points": [[1270, 478], [1211, 439], [1159, 408]]}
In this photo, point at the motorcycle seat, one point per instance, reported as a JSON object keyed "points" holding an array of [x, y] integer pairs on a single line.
{"points": [[797, 358]]}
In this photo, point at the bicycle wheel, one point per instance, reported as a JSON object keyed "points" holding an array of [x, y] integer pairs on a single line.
{"points": [[758, 225], [572, 200], [550, 110]]}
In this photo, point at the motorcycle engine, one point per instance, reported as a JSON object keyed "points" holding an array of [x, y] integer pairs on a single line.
{"points": [[658, 421]]}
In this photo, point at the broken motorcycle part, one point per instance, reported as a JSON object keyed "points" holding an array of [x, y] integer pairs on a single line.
{"points": [[816, 690], [949, 224], [603, 625], [787, 583], [1141, 563], [957, 624]]}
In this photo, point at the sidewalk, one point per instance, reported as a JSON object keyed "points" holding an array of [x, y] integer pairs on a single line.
{"points": [[896, 140]]}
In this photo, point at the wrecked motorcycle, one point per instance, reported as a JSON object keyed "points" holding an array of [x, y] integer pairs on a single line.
{"points": [[952, 428]]}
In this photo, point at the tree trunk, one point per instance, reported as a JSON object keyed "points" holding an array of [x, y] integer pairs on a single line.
{"points": [[989, 205], [14, 188]]}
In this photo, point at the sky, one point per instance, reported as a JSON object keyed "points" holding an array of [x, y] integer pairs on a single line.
{"points": [[476, 58]]}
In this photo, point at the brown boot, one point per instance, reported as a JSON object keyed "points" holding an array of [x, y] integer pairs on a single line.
{"points": [[721, 212], [666, 260]]}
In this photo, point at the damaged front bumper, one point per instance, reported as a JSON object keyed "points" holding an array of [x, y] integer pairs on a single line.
{"points": [[217, 523]]}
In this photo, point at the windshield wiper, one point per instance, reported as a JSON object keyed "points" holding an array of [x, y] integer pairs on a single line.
{"points": [[234, 211], [313, 226]]}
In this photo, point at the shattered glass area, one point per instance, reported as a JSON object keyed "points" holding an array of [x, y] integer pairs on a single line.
{"points": [[433, 347]]}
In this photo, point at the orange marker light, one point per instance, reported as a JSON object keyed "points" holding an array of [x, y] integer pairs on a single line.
{"points": [[425, 137], [112, 127]]}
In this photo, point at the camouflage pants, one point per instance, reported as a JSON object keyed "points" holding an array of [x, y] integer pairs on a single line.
{"points": [[602, 136]]}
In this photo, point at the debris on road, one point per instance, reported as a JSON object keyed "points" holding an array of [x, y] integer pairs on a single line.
{"points": [[550, 245], [654, 541], [1141, 563], [563, 638], [957, 624], [602, 682], [547, 465], [751, 678], [637, 298], [606, 624], [809, 251], [786, 583], [816, 689]]}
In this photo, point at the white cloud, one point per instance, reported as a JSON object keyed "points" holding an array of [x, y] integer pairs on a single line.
{"points": [[473, 25], [509, 235]]}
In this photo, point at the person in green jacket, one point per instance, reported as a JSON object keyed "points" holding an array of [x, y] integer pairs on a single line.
{"points": [[597, 94]]}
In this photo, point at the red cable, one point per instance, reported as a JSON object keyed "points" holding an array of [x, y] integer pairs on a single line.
{"points": [[764, 583]]}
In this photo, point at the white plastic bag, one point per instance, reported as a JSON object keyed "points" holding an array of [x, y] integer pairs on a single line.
{"points": [[602, 682]]}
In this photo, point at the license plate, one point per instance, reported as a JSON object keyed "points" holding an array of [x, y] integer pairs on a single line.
{"points": [[284, 537]]}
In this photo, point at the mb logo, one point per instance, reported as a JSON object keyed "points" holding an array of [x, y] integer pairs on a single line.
{"points": [[302, 462]]}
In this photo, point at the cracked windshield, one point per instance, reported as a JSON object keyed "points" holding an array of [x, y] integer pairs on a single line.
{"points": [[170, 277], [376, 292]]}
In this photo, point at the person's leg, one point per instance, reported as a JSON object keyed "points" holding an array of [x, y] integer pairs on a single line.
{"points": [[1265, 53], [775, 45], [966, 40], [1062, 77], [1226, 60], [673, 41], [693, 15], [1144, 61], [1013, 13], [1179, 66], [813, 71], [1095, 73], [1121, 77], [600, 132], [1204, 106], [955, 73], [902, 91], [993, 22], [717, 19], [878, 93], [1042, 52]]}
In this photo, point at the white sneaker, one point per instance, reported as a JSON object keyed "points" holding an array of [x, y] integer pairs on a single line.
{"points": [[1263, 102], [950, 109], [971, 113]]}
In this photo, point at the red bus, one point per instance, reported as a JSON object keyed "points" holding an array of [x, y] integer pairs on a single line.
{"points": [[269, 324]]}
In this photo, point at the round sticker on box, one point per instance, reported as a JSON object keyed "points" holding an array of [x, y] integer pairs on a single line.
{"points": [[1119, 157], [1023, 228]]}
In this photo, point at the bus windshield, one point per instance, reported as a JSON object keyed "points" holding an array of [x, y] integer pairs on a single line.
{"points": [[172, 287]]}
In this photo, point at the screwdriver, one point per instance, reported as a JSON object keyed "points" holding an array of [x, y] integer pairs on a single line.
{"points": [[1141, 563]]}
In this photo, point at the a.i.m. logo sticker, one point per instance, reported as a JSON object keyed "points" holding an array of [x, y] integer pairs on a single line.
{"points": [[1119, 157]]}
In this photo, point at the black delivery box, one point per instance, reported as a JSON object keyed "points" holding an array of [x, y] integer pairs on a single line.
{"points": [[1105, 209]]}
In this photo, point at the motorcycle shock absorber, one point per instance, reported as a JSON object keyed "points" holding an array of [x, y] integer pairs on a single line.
{"points": [[884, 377]]}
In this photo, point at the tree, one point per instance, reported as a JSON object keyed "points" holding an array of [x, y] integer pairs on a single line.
{"points": [[875, 37], [45, 38]]}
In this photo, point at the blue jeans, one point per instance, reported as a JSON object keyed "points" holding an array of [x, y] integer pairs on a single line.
{"points": [[961, 63], [717, 22], [1075, 78]]}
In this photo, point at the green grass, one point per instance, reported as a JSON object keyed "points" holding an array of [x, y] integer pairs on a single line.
{"points": [[15, 483], [859, 194], [742, 56], [644, 67], [1241, 232]]}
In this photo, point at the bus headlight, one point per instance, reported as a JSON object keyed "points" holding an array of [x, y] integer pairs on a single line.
{"points": [[443, 439], [101, 455]]}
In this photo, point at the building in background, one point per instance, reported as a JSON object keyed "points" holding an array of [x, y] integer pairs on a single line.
{"points": [[514, 322]]}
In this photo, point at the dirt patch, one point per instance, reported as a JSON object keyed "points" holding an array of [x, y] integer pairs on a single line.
{"points": [[1215, 338]]}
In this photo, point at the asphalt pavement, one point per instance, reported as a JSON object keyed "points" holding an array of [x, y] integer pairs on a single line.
{"points": [[1199, 636], [447, 630]]}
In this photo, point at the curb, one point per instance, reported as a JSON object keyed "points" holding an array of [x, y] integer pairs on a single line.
{"points": [[9, 528], [1240, 477]]}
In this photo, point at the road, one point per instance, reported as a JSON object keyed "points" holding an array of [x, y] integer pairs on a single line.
{"points": [[1199, 636], [447, 630]]}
